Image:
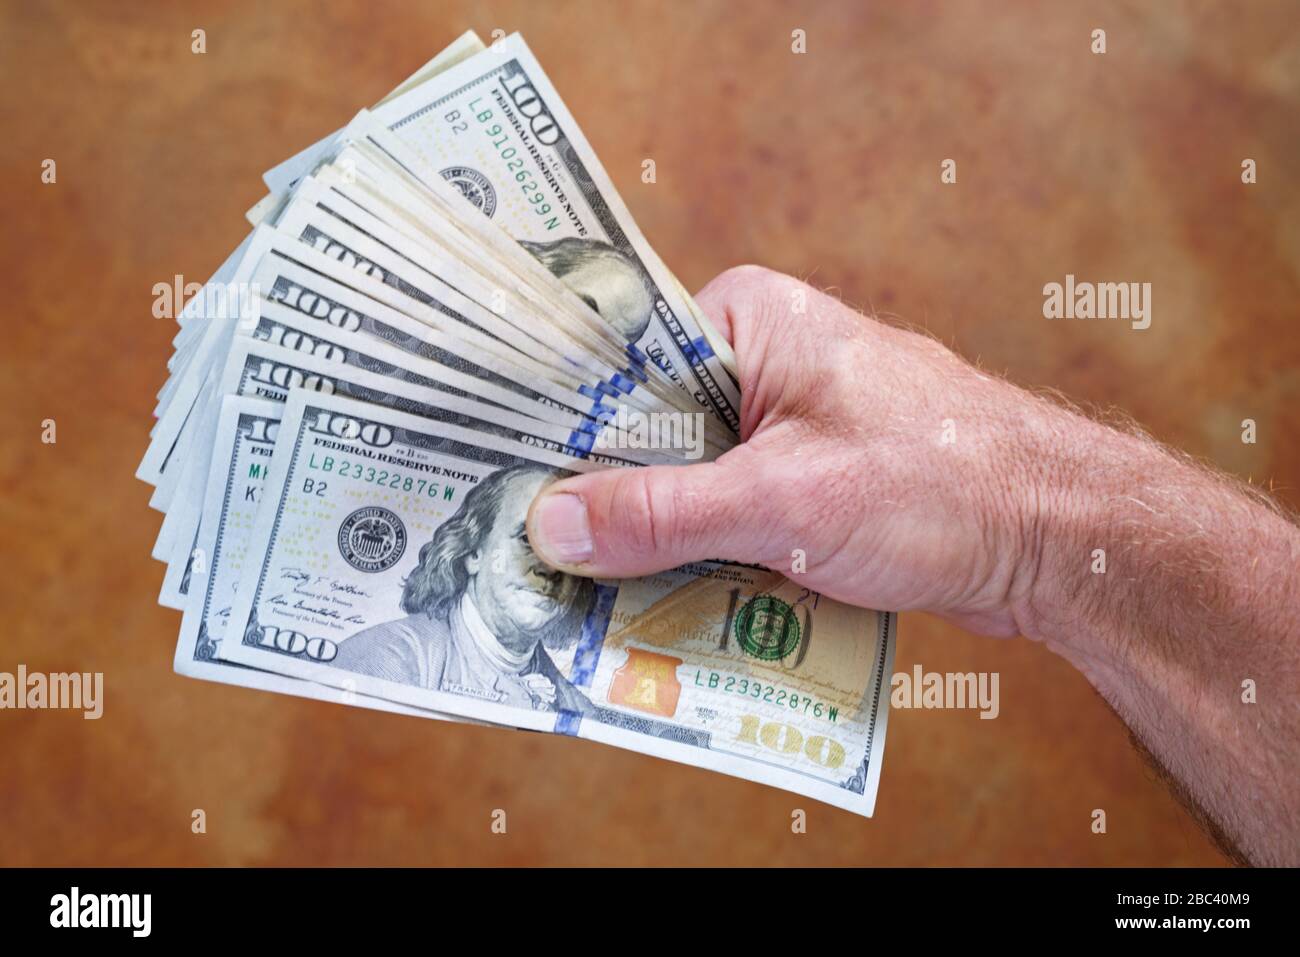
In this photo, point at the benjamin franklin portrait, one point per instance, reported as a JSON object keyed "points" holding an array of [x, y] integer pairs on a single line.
{"points": [[612, 283], [482, 610]]}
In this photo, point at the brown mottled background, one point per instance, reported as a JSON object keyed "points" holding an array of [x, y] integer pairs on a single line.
{"points": [[1117, 167]]}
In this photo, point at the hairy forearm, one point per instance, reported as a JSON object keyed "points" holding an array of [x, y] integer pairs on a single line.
{"points": [[1175, 592], [910, 479]]}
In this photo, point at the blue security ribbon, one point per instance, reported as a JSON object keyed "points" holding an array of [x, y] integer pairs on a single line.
{"points": [[582, 442]]}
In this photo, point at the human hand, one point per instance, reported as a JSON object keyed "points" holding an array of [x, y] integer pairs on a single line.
{"points": [[905, 478], [876, 467]]}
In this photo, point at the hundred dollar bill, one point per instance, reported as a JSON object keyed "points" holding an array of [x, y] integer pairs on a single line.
{"points": [[325, 282], [389, 554], [216, 334], [245, 438], [303, 162], [294, 276], [372, 175], [495, 127], [178, 536], [185, 450], [186, 349], [329, 222], [212, 335], [257, 368], [298, 294], [420, 360], [419, 215], [287, 348], [551, 311]]}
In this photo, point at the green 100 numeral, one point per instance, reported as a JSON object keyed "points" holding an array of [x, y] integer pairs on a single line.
{"points": [[787, 739]]}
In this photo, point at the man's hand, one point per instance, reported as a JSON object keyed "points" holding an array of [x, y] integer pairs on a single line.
{"points": [[907, 479]]}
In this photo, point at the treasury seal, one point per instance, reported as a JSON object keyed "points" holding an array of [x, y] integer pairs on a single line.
{"points": [[767, 628], [474, 186], [372, 539]]}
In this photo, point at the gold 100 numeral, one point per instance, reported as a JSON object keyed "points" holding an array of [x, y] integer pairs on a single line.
{"points": [[787, 739]]}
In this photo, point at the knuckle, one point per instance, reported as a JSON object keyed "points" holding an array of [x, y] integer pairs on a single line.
{"points": [[757, 284], [758, 302], [749, 274], [758, 281]]}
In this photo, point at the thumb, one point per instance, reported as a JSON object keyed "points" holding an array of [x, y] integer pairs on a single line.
{"points": [[624, 522]]}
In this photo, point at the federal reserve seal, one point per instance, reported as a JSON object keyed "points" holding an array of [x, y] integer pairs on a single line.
{"points": [[372, 539], [767, 628], [474, 186]]}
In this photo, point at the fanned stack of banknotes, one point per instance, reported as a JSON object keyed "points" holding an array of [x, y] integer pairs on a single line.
{"points": [[441, 308]]}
